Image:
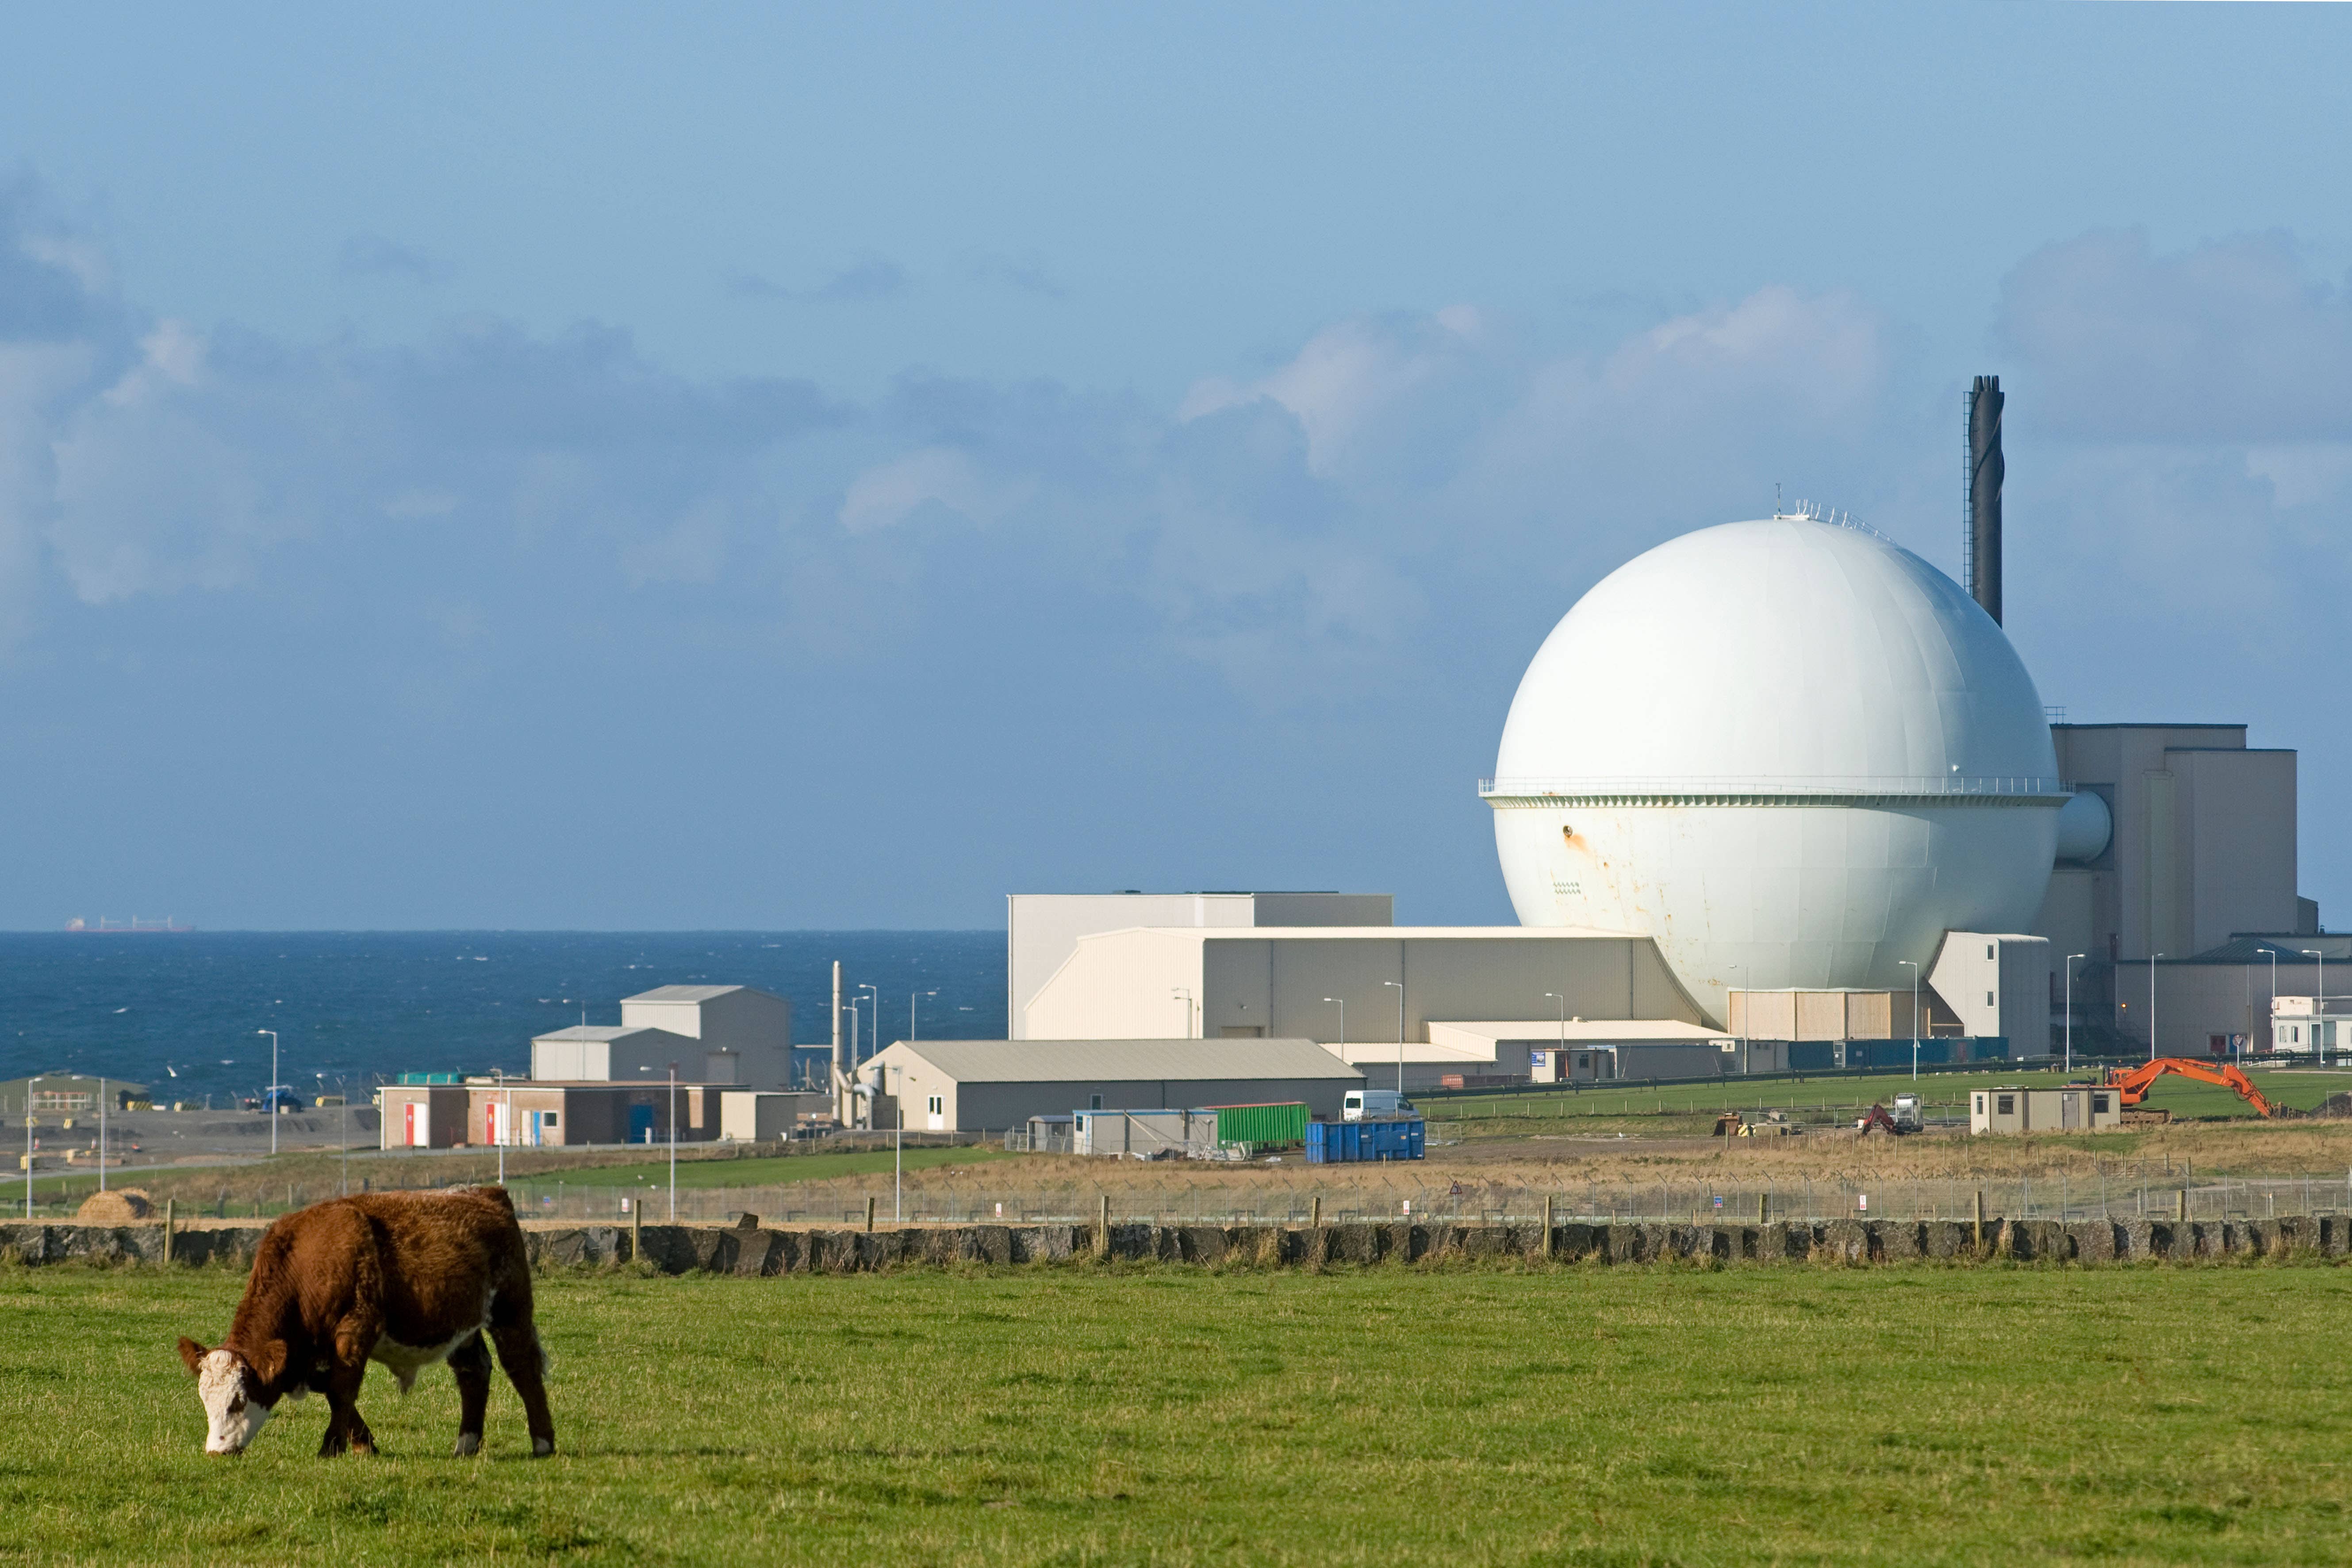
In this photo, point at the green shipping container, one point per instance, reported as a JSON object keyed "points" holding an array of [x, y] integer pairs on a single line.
{"points": [[1260, 1126]]}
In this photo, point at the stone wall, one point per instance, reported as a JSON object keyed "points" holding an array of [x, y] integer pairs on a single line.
{"points": [[715, 1249]]}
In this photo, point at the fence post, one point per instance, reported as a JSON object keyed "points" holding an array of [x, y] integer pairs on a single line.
{"points": [[168, 1217], [869, 1217], [1318, 1211], [2181, 1206], [1547, 1240], [1763, 1209], [1102, 1229], [1980, 1232], [636, 1228]]}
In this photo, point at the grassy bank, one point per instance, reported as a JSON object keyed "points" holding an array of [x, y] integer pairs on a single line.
{"points": [[1071, 1415], [1693, 1107]]}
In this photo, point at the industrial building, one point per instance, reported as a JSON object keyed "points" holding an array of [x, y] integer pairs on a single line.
{"points": [[480, 1112], [731, 1035], [2074, 1108], [1834, 790], [982, 1086], [1573, 1050], [1042, 930]]}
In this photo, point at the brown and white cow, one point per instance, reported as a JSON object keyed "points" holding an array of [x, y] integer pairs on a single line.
{"points": [[404, 1278]]}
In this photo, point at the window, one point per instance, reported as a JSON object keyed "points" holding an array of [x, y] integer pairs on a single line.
{"points": [[2098, 1105], [938, 1106], [2005, 1105], [1980, 1102], [1094, 1102], [1988, 1001], [548, 1119]]}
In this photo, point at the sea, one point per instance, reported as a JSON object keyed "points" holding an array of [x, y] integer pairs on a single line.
{"points": [[186, 1012]]}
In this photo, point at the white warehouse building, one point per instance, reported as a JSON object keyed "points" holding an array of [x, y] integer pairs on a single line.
{"points": [[1390, 985], [733, 1035]]}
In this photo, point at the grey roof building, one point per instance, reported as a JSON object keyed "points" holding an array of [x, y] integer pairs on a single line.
{"points": [[978, 1085]]}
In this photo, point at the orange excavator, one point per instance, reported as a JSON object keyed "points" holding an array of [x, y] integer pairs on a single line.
{"points": [[2132, 1084]]}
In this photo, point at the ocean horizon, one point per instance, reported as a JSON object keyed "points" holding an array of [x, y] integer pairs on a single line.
{"points": [[184, 1012]]}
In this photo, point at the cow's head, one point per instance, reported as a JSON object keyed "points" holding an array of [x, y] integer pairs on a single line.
{"points": [[233, 1393]]}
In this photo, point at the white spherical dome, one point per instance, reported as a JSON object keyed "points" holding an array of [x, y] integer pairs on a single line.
{"points": [[1794, 753]]}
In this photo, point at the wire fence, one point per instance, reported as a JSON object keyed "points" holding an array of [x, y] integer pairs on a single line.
{"points": [[2150, 1195], [1395, 1192]]}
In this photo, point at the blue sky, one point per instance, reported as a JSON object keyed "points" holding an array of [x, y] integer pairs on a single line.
{"points": [[588, 467]]}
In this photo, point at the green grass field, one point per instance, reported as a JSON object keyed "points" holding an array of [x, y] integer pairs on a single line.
{"points": [[1074, 1415]]}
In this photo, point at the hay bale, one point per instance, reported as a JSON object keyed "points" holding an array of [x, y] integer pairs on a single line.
{"points": [[124, 1205]]}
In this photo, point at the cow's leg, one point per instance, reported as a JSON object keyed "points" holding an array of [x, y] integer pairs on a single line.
{"points": [[346, 1430], [471, 1363], [519, 1353]]}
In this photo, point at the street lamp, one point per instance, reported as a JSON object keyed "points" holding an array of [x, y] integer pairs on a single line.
{"points": [[269, 1102], [2274, 958], [28, 1144], [1914, 1016], [873, 1035], [673, 1142], [1186, 993], [2070, 1011], [1400, 991], [505, 1123], [898, 1140], [101, 1135], [2151, 1004], [910, 1011], [1561, 1049], [2319, 1003], [1343, 1024]]}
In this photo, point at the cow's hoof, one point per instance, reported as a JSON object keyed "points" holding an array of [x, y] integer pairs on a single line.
{"points": [[469, 1444], [365, 1447], [541, 1447]]}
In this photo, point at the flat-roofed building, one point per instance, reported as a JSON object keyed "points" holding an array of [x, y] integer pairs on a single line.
{"points": [[984, 1085], [1387, 985], [2071, 1108], [1042, 930]]}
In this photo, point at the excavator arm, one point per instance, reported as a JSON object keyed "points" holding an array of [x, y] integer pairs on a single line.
{"points": [[2132, 1084]]}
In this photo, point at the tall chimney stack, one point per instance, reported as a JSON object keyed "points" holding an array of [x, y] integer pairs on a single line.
{"points": [[1985, 472]]}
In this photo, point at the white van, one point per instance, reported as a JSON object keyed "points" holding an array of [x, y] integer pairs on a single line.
{"points": [[1374, 1105]]}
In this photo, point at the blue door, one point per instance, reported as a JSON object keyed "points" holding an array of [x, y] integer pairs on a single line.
{"points": [[641, 1124]]}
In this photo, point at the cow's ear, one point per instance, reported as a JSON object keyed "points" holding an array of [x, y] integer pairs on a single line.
{"points": [[267, 1359], [192, 1352]]}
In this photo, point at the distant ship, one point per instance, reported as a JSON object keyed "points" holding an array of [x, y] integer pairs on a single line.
{"points": [[117, 928]]}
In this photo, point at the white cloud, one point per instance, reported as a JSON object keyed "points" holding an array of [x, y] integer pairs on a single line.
{"points": [[2229, 341], [887, 495]]}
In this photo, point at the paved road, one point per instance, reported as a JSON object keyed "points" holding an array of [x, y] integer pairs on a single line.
{"points": [[162, 1138]]}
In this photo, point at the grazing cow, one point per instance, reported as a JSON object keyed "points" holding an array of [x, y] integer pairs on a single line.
{"points": [[405, 1279]]}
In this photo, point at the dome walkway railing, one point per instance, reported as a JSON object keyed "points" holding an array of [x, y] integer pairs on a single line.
{"points": [[2023, 789]]}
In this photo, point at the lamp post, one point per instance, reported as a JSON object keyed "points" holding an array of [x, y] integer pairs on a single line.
{"points": [[1400, 991], [2274, 958], [1185, 992], [2151, 1004], [1914, 1016], [1560, 1050], [1343, 1024], [101, 1135], [505, 1123], [343, 1129], [269, 1096], [673, 1142], [873, 1035], [2070, 1011], [28, 1144], [2319, 1003], [910, 1011], [897, 1137]]}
